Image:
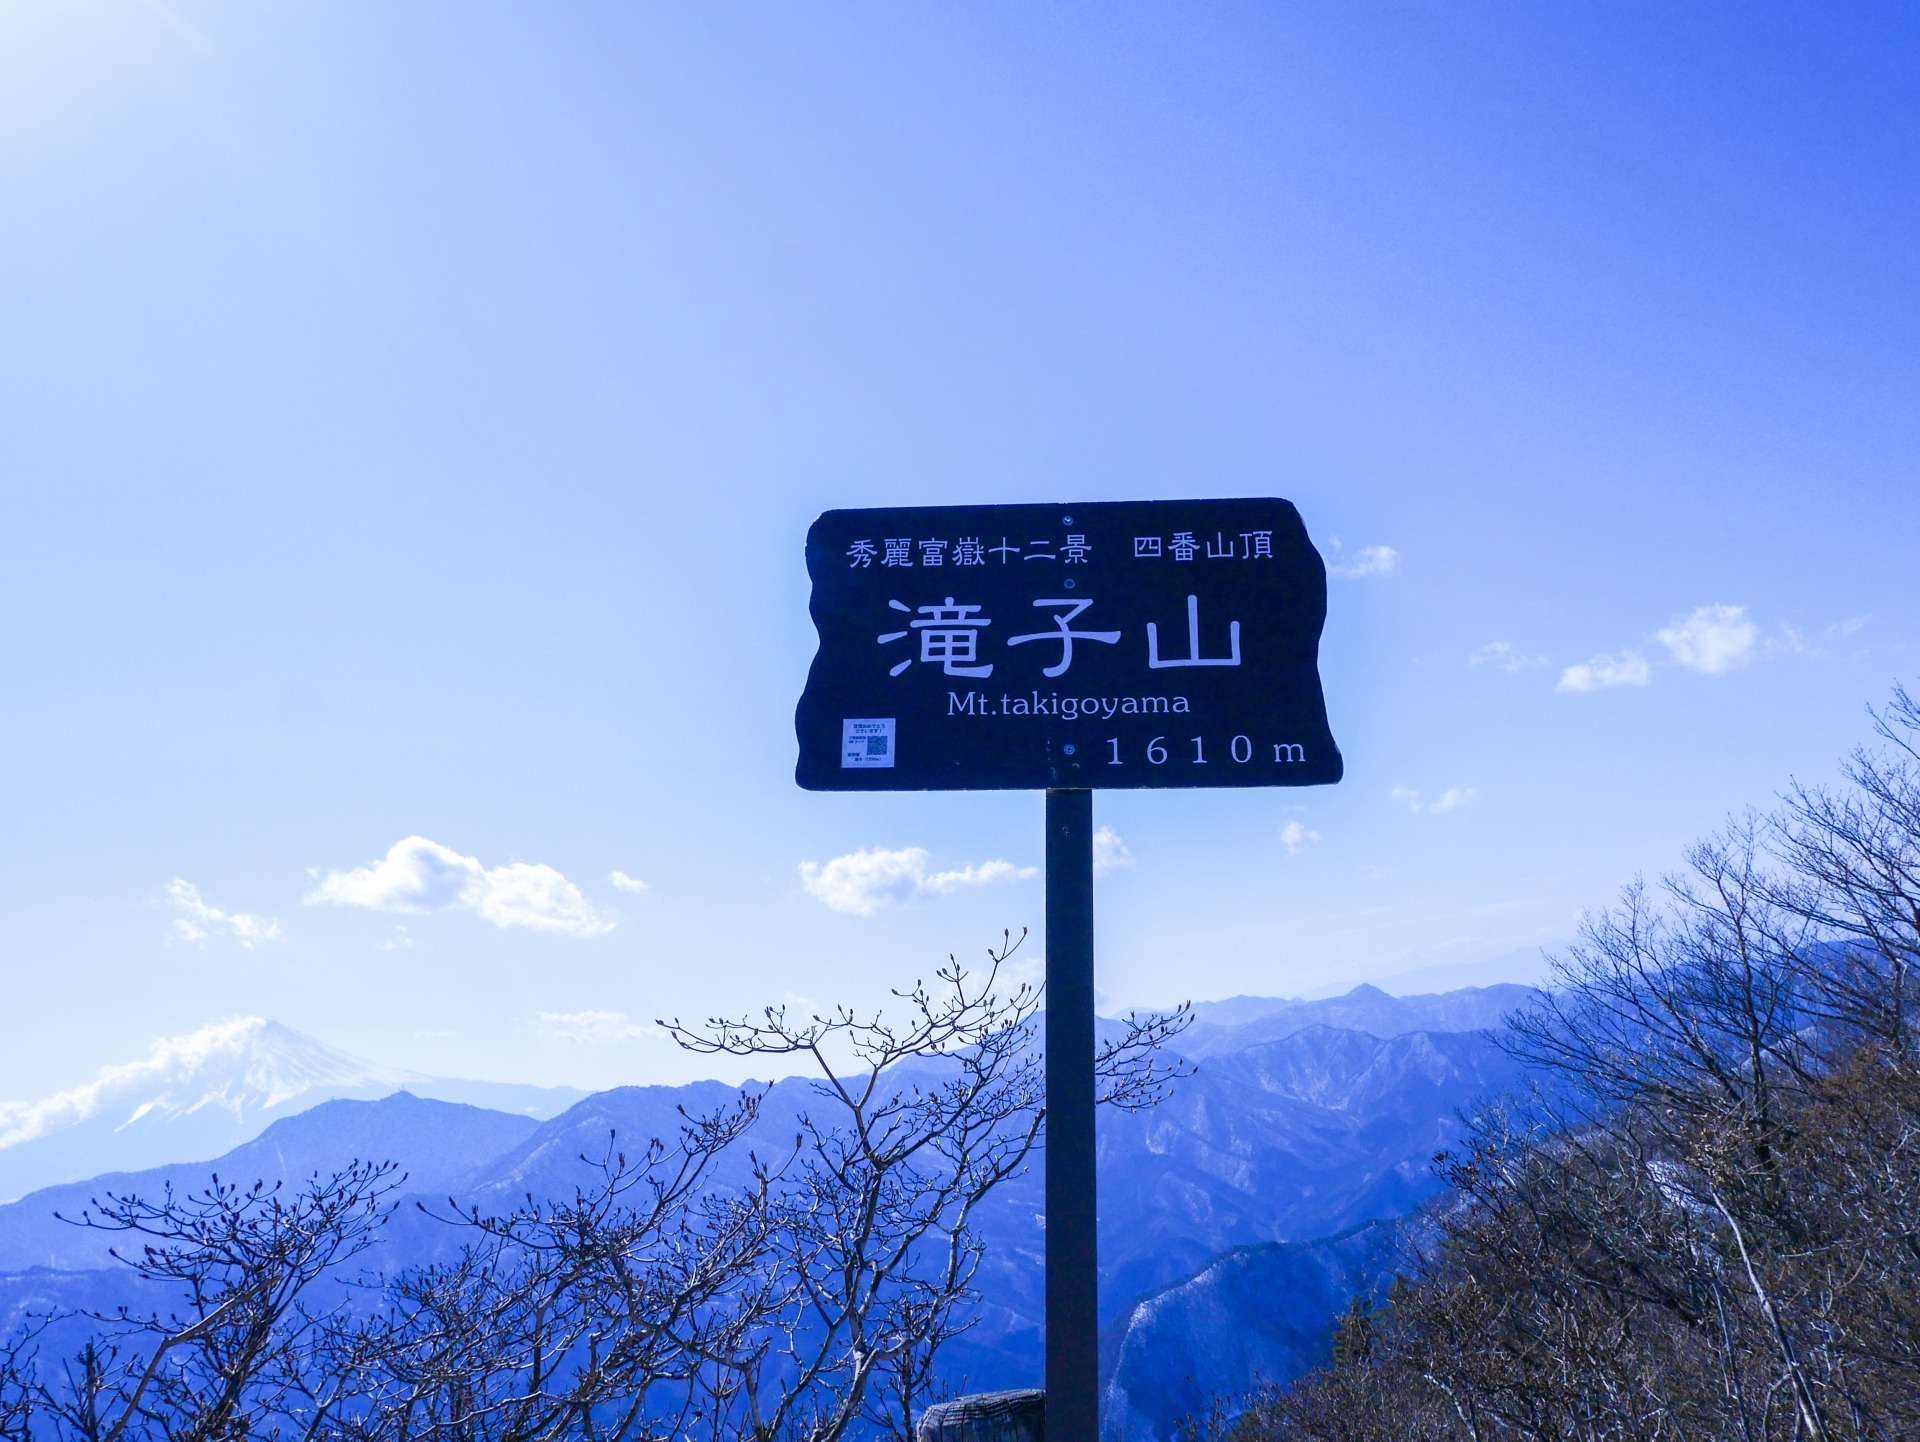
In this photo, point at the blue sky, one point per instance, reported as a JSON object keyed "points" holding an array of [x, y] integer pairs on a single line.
{"points": [[410, 419]]}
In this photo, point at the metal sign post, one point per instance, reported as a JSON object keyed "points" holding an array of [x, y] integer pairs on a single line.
{"points": [[1066, 648], [1073, 1292]]}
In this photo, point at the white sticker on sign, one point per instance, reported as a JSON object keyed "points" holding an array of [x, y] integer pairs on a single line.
{"points": [[867, 742]]}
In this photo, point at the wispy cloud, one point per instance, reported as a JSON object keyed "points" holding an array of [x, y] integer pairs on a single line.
{"points": [[183, 29], [196, 920], [1852, 626], [1712, 640], [418, 875], [1453, 798], [1357, 565], [1110, 853], [1021, 970], [1297, 836], [632, 885], [1787, 641], [983, 873], [1504, 656], [862, 882], [1627, 668], [597, 1028]]}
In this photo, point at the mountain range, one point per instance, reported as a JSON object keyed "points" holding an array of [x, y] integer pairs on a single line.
{"points": [[1234, 1217], [1243, 1021]]}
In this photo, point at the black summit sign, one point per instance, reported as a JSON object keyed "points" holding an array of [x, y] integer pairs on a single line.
{"points": [[1109, 644], [1065, 648]]}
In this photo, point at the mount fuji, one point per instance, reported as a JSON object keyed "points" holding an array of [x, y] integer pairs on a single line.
{"points": [[197, 1096]]}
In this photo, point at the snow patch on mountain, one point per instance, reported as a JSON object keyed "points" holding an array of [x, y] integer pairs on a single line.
{"points": [[245, 1063]]}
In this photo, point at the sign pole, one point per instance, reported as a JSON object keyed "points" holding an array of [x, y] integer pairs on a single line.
{"points": [[1073, 1335]]}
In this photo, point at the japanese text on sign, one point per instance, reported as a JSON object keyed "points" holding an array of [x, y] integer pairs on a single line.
{"points": [[1059, 618]]}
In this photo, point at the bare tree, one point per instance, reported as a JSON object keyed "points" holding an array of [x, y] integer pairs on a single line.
{"points": [[18, 1395], [1851, 878], [1704, 1226], [233, 1359], [920, 1119], [615, 1314]]}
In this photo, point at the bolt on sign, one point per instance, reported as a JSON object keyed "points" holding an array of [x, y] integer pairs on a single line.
{"points": [[1083, 646]]}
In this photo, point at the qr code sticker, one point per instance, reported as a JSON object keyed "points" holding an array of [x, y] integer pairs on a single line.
{"points": [[866, 741]]}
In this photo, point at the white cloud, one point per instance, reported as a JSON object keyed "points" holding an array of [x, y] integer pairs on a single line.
{"points": [[862, 882], [415, 875], [593, 1027], [1852, 626], [538, 898], [1296, 836], [1367, 561], [1110, 853], [1504, 656], [418, 875], [1452, 799], [632, 885], [1711, 639], [1628, 668], [196, 920]]}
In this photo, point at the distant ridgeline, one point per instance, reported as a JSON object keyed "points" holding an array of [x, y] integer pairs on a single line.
{"points": [[1306, 1121]]}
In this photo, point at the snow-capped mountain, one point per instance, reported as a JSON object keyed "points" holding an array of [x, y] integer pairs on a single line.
{"points": [[198, 1095]]}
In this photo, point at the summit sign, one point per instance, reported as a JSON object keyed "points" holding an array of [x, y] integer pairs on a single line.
{"points": [[1084, 646], [1066, 649]]}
